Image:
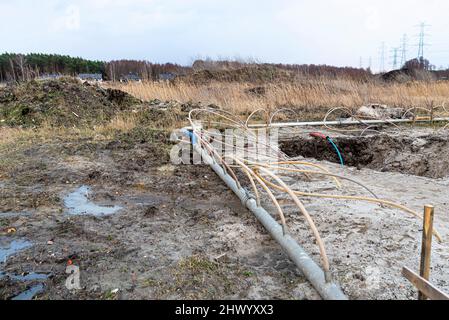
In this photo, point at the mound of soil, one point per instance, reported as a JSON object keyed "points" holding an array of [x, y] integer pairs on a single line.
{"points": [[64, 102], [406, 75], [251, 74]]}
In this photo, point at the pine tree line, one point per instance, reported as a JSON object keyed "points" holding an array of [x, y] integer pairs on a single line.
{"points": [[20, 67]]}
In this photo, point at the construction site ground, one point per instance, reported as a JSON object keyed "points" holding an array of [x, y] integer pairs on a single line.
{"points": [[177, 232]]}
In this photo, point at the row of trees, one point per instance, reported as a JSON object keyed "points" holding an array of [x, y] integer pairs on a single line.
{"points": [[147, 71], [419, 64], [20, 67]]}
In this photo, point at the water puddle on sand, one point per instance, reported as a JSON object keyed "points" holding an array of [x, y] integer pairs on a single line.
{"points": [[9, 248], [27, 277], [30, 293], [7, 215], [78, 204]]}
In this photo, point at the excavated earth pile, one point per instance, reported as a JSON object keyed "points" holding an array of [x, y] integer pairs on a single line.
{"points": [[64, 102], [425, 155]]}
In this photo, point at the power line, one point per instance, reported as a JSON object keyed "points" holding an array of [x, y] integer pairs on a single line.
{"points": [[394, 58], [382, 57], [422, 36], [404, 43]]}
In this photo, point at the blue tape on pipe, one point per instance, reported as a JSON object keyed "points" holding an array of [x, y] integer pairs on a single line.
{"points": [[193, 138], [191, 135]]}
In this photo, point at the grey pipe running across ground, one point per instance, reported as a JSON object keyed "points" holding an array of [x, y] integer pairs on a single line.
{"points": [[314, 274]]}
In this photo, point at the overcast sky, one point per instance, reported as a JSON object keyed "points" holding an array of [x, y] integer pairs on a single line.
{"points": [[336, 32]]}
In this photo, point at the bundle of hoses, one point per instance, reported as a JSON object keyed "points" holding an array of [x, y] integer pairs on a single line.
{"points": [[261, 174], [411, 113], [362, 123]]}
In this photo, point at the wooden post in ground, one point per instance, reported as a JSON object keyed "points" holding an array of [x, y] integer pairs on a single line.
{"points": [[426, 249], [432, 111]]}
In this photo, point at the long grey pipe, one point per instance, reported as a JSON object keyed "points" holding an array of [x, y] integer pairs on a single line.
{"points": [[343, 122], [313, 273]]}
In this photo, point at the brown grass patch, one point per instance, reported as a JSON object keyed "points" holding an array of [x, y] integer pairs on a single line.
{"points": [[311, 97]]}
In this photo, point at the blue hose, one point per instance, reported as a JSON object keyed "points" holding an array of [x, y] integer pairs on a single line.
{"points": [[336, 149]]}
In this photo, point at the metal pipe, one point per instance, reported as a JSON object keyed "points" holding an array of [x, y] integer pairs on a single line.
{"points": [[313, 273], [342, 122]]}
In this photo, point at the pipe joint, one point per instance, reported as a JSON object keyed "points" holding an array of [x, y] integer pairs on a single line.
{"points": [[328, 276], [246, 196]]}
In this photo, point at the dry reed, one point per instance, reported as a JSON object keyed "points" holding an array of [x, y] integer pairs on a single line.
{"points": [[314, 96]]}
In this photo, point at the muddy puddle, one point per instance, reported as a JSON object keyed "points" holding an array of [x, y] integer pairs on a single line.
{"points": [[30, 293], [9, 248], [78, 203], [27, 277], [35, 279], [8, 215]]}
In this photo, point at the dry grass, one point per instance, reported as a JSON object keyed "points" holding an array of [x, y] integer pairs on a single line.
{"points": [[122, 123], [311, 96], [14, 140], [12, 135]]}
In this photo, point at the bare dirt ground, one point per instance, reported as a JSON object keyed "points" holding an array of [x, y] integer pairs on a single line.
{"points": [[180, 233], [367, 244], [370, 244], [141, 228]]}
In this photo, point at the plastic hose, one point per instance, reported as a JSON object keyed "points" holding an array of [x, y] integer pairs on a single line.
{"points": [[336, 149], [322, 136], [372, 200]]}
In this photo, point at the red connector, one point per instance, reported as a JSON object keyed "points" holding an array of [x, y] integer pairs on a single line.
{"points": [[318, 135]]}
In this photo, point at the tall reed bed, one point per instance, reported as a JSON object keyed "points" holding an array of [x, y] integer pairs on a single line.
{"points": [[314, 96]]}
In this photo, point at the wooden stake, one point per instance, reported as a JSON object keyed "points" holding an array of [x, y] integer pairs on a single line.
{"points": [[426, 249], [424, 286], [431, 113]]}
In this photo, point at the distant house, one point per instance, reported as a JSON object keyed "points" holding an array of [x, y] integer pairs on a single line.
{"points": [[167, 76], [131, 77], [94, 77], [49, 76]]}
